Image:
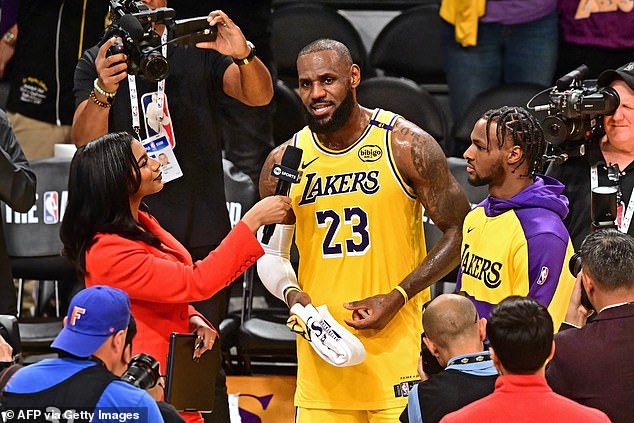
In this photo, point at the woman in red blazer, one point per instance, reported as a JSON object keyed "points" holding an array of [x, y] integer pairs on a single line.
{"points": [[113, 240]]}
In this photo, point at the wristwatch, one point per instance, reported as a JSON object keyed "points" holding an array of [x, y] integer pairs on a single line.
{"points": [[249, 58], [9, 38]]}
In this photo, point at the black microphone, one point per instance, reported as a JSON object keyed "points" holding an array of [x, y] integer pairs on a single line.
{"points": [[132, 26], [577, 74], [287, 174]]}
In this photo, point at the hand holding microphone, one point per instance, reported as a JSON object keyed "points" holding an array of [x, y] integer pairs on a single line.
{"points": [[287, 174], [268, 210]]}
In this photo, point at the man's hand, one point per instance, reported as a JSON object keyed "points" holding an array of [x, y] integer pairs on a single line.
{"points": [[229, 39], [295, 296], [111, 69], [577, 314], [158, 390], [374, 312], [6, 351], [6, 54]]}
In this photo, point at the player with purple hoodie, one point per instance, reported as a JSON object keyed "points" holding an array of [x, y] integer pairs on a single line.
{"points": [[514, 242]]}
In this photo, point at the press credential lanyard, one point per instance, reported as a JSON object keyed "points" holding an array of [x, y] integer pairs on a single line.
{"points": [[629, 210], [160, 96]]}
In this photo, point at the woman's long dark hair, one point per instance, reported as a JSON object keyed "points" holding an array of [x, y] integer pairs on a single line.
{"points": [[103, 174]]}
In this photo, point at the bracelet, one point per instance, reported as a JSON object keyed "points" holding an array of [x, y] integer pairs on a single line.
{"points": [[403, 293], [249, 58], [98, 102], [101, 91], [289, 289], [9, 38]]}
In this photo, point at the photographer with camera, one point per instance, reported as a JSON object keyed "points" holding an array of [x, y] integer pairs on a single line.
{"points": [[92, 351], [606, 159], [182, 108], [454, 336], [591, 363]]}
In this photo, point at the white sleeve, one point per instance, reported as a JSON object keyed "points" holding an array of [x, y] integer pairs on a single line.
{"points": [[274, 268]]}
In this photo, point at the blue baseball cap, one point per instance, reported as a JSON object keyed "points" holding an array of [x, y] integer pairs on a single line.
{"points": [[94, 314]]}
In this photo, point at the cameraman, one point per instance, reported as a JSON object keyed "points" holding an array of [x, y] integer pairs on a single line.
{"points": [[607, 162], [592, 362], [92, 348], [454, 335]]}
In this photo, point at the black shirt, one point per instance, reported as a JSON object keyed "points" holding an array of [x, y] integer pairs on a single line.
{"points": [[574, 173], [192, 207]]}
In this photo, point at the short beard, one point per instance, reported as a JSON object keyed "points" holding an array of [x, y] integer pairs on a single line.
{"points": [[476, 181], [337, 120]]}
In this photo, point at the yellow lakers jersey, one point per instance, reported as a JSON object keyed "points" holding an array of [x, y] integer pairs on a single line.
{"points": [[359, 233]]}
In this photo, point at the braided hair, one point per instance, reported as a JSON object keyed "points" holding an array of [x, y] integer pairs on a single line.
{"points": [[519, 125]]}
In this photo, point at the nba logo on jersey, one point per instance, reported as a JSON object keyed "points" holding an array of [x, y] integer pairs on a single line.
{"points": [[543, 275], [51, 208], [405, 388]]}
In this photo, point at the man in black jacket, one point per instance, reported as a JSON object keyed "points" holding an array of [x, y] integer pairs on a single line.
{"points": [[17, 190], [454, 334]]}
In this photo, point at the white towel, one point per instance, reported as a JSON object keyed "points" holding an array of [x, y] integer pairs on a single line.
{"points": [[331, 341]]}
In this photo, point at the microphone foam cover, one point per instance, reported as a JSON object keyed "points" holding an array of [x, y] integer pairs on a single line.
{"points": [[132, 26], [292, 157]]}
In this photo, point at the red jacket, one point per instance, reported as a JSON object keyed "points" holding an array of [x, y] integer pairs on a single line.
{"points": [[162, 282]]}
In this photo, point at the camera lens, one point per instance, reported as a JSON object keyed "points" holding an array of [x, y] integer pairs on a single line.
{"points": [[143, 371], [154, 66], [603, 206], [574, 265], [555, 129]]}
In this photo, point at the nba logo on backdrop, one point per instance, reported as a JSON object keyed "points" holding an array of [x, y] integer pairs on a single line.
{"points": [[51, 207]]}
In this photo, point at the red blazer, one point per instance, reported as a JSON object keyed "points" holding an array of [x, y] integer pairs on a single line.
{"points": [[162, 282]]}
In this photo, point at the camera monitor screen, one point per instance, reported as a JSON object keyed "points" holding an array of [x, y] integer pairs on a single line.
{"points": [[191, 384]]}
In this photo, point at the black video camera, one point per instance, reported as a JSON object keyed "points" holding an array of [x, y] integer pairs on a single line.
{"points": [[603, 211], [133, 24], [575, 109], [431, 366], [142, 372]]}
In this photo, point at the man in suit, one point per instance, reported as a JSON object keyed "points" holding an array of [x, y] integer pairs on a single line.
{"points": [[592, 363]]}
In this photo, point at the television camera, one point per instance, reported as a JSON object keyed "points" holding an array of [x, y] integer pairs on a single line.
{"points": [[575, 110]]}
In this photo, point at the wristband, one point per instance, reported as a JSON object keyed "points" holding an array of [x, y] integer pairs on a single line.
{"points": [[101, 91], [249, 58], [289, 289], [9, 38], [403, 293], [98, 102]]}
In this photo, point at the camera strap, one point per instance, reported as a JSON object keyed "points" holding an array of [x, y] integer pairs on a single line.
{"points": [[160, 96], [623, 217]]}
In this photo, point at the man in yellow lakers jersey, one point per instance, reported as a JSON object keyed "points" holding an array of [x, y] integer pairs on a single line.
{"points": [[514, 242], [357, 218]]}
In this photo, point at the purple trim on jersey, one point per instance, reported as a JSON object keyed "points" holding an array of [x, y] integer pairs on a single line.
{"points": [[484, 309], [513, 12], [546, 242]]}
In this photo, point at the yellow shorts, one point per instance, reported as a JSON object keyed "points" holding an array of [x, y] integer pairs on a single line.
{"points": [[315, 415]]}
